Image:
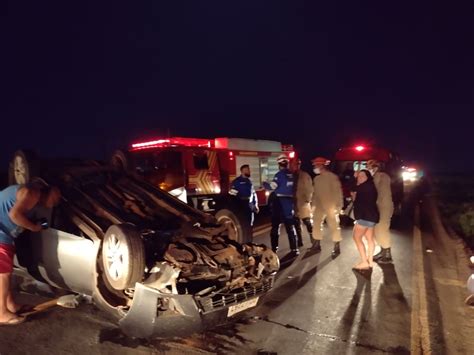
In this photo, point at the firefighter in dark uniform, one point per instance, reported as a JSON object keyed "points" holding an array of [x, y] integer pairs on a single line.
{"points": [[242, 189], [283, 205]]}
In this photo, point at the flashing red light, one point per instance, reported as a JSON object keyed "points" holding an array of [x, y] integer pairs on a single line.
{"points": [[158, 143], [231, 154], [291, 155], [360, 148], [150, 143]]}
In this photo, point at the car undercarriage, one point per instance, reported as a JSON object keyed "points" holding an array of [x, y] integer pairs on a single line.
{"points": [[146, 242]]}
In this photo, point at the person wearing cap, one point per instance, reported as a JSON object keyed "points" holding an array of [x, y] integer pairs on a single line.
{"points": [[303, 191], [282, 205], [244, 192], [327, 203], [385, 205]]}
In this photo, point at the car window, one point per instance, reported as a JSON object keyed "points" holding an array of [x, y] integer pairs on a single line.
{"points": [[200, 161], [164, 168], [158, 160]]}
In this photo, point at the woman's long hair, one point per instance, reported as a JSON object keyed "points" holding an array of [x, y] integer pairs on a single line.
{"points": [[368, 174]]}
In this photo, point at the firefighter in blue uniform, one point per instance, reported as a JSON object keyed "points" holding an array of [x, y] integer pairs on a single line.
{"points": [[283, 205], [242, 189]]}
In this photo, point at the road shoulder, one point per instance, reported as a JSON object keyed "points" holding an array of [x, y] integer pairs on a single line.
{"points": [[449, 322]]}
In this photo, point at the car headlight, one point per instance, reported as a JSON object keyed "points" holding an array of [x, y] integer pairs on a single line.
{"points": [[409, 175]]}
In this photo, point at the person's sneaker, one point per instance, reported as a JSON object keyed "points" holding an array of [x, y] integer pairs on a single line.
{"points": [[337, 249], [275, 249], [316, 246]]}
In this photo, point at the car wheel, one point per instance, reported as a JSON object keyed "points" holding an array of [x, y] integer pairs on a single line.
{"points": [[119, 160], [239, 229], [123, 256], [23, 167]]}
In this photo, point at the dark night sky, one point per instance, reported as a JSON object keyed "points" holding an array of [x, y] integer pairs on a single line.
{"points": [[80, 79]]}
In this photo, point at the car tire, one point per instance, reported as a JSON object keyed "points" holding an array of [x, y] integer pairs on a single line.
{"points": [[23, 167], [120, 160], [240, 229], [123, 256]]}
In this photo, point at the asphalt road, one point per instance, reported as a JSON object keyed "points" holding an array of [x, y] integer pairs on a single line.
{"points": [[318, 306]]}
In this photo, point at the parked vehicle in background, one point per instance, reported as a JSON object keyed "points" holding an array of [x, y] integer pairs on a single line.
{"points": [[152, 262], [199, 171], [411, 173], [349, 159]]}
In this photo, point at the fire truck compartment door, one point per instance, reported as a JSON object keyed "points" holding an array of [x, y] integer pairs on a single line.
{"points": [[254, 163]]}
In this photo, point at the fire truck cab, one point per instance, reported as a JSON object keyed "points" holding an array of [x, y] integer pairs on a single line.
{"points": [[349, 159], [200, 171]]}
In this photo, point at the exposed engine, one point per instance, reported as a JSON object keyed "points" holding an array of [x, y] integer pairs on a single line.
{"points": [[199, 260]]}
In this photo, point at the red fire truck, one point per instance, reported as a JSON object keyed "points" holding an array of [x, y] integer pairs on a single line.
{"points": [[200, 171], [352, 158]]}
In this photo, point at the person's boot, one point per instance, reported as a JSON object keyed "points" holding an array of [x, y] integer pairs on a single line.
{"points": [[274, 244], [299, 232], [316, 246], [379, 254], [274, 237], [299, 238], [290, 230], [384, 257], [294, 253], [309, 226], [337, 249]]}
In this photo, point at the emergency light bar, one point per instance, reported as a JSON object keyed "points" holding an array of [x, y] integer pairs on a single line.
{"points": [[149, 144], [169, 142], [360, 148], [235, 144]]}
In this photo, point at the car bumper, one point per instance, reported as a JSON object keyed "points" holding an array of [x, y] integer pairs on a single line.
{"points": [[194, 313]]}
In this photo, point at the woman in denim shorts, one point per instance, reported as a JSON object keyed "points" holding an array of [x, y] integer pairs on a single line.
{"points": [[366, 215]]}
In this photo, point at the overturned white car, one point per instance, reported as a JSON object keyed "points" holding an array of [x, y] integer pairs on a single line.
{"points": [[155, 264]]}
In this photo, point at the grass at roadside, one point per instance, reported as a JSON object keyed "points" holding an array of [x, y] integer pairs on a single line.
{"points": [[456, 202]]}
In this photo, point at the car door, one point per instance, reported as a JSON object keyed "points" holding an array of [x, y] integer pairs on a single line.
{"points": [[60, 255]]}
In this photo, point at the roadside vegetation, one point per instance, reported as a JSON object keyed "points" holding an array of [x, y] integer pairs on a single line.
{"points": [[456, 202]]}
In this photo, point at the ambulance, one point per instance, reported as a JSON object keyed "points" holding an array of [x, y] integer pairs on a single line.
{"points": [[199, 171]]}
